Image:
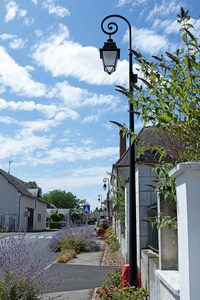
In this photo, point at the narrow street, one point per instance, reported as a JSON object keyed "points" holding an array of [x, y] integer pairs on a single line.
{"points": [[83, 273]]}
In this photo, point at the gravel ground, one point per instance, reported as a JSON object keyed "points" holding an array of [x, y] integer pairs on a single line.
{"points": [[113, 260]]}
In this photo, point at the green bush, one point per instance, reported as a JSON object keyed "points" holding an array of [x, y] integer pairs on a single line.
{"points": [[111, 239], [57, 217], [71, 243], [55, 225], [113, 289]]}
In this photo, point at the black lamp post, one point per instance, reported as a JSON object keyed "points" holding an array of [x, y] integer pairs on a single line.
{"points": [[106, 52], [108, 193], [100, 199]]}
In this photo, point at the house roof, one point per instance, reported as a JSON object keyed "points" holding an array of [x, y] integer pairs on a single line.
{"points": [[148, 138], [21, 186]]}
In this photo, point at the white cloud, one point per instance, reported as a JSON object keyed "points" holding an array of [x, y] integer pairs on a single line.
{"points": [[17, 77], [7, 120], [16, 43], [148, 41], [76, 97], [83, 176], [134, 2], [86, 142], [166, 8], [71, 154], [168, 26], [62, 57], [50, 111], [28, 21], [6, 36], [11, 10], [34, 1], [90, 119], [60, 11], [22, 13], [11, 147], [123, 2]]}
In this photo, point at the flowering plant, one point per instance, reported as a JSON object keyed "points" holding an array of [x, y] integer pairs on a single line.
{"points": [[22, 269], [111, 239], [113, 289], [81, 239]]}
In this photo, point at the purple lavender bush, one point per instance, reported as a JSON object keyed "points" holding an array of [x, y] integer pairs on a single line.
{"points": [[82, 235], [22, 271]]}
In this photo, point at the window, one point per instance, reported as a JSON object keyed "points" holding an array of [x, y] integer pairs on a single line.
{"points": [[39, 217]]}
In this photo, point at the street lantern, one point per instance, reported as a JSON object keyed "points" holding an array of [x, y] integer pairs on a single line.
{"points": [[109, 55], [113, 28]]}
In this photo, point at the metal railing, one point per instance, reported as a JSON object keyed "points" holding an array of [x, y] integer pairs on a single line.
{"points": [[152, 230]]}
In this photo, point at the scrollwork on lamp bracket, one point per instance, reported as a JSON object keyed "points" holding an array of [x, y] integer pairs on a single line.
{"points": [[115, 29]]}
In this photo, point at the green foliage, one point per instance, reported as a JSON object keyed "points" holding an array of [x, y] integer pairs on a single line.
{"points": [[71, 243], [113, 289], [61, 199], [56, 217], [55, 225], [166, 185], [66, 255], [27, 291], [169, 99], [111, 239], [118, 198]]}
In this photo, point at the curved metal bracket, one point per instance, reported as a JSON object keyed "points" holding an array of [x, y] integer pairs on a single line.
{"points": [[115, 29]]}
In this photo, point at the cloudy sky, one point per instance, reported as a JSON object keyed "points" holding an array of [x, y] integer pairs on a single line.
{"points": [[56, 102]]}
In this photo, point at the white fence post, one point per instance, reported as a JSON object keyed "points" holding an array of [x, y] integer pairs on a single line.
{"points": [[188, 211], [168, 241]]}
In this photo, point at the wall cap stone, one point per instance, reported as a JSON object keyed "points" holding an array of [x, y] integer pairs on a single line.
{"points": [[180, 168], [170, 279]]}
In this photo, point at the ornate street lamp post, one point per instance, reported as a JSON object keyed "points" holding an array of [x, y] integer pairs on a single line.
{"points": [[108, 193], [109, 55], [100, 199]]}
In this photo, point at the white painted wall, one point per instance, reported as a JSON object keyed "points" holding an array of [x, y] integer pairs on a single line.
{"points": [[11, 201], [188, 211]]}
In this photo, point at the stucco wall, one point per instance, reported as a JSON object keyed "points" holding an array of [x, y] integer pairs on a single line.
{"points": [[9, 198], [38, 207]]}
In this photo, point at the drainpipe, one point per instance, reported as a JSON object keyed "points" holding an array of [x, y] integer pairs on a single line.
{"points": [[19, 212]]}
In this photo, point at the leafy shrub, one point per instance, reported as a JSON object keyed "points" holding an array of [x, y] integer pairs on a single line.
{"points": [[84, 236], [71, 243], [55, 225], [57, 217], [112, 289], [66, 255], [21, 269], [103, 226], [111, 239]]}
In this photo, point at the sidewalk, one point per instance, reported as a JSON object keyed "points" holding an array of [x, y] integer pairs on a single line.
{"points": [[89, 259]]}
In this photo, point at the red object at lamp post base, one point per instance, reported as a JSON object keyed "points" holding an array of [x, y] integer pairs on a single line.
{"points": [[125, 276]]}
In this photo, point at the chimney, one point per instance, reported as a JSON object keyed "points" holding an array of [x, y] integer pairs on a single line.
{"points": [[122, 143]]}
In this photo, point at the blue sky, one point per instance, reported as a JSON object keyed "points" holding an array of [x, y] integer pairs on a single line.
{"points": [[55, 99]]}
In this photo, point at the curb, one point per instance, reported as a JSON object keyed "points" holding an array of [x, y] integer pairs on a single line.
{"points": [[104, 256]]}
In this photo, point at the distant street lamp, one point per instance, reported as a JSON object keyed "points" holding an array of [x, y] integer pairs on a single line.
{"points": [[100, 199], [105, 187], [109, 55]]}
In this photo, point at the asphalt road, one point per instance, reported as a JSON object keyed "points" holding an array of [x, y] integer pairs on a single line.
{"points": [[65, 277], [77, 277]]}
